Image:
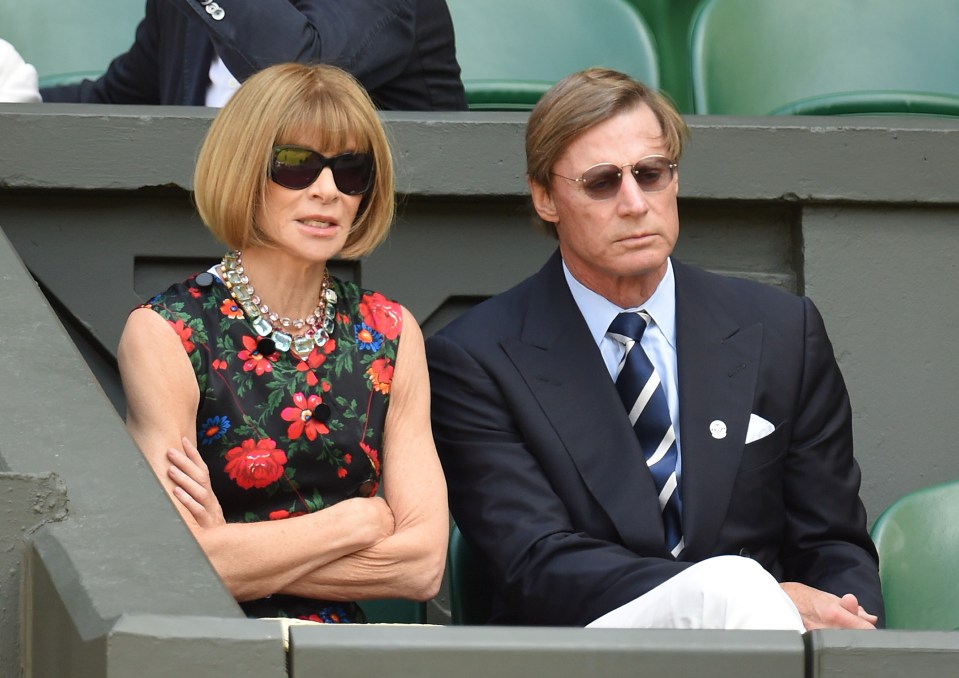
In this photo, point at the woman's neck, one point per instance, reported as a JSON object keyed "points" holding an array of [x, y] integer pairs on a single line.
{"points": [[288, 285]]}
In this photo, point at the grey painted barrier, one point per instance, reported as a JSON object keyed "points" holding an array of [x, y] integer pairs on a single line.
{"points": [[862, 214], [479, 652], [888, 654]]}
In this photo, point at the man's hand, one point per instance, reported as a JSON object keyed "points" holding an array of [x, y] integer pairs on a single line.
{"points": [[821, 610]]}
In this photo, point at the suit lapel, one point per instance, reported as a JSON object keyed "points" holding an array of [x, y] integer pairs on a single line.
{"points": [[718, 364], [563, 367]]}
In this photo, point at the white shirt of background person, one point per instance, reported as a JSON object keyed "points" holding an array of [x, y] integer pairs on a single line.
{"points": [[18, 79], [222, 84]]}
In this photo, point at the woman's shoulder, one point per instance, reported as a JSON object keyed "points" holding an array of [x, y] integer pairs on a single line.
{"points": [[191, 295], [371, 308]]}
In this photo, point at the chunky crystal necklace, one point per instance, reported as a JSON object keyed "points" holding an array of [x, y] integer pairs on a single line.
{"points": [[314, 329]]}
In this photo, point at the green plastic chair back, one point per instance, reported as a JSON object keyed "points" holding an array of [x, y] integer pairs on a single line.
{"points": [[669, 21], [512, 51], [918, 542], [394, 611], [470, 586], [756, 57], [68, 39], [874, 103]]}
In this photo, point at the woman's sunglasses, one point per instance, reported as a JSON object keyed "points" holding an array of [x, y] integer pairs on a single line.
{"points": [[297, 167], [601, 182]]}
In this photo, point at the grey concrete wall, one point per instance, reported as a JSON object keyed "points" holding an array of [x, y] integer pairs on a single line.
{"points": [[26, 503], [889, 654], [81, 510], [859, 213], [479, 652]]}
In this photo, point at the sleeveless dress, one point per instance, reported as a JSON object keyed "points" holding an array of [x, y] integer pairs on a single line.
{"points": [[283, 436]]}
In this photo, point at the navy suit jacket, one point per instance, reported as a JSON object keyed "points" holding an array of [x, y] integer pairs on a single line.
{"points": [[402, 51], [546, 477]]}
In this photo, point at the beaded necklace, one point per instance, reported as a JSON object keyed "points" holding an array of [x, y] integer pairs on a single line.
{"points": [[316, 328]]}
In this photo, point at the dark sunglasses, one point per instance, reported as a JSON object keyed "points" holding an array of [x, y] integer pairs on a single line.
{"points": [[297, 167], [601, 182]]}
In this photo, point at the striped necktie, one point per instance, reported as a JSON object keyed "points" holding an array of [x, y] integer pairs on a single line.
{"points": [[642, 393]]}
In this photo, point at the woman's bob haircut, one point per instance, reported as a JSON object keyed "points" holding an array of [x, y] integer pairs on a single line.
{"points": [[318, 106]]}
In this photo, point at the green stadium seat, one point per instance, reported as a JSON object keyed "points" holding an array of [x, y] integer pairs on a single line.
{"points": [[394, 611], [67, 40], [470, 585], [669, 21], [859, 103], [918, 542], [512, 51], [760, 57]]}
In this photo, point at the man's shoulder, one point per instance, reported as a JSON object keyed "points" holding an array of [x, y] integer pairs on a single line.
{"points": [[734, 292], [495, 318]]}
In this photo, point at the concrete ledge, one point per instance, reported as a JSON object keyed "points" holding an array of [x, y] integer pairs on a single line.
{"points": [[480, 652], [481, 154], [150, 646], [883, 654]]}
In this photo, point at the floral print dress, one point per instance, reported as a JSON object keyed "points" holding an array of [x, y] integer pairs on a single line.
{"points": [[284, 435]]}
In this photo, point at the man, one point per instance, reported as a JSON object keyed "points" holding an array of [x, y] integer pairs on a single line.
{"points": [[733, 501], [196, 52]]}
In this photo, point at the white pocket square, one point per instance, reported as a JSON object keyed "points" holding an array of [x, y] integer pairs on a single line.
{"points": [[758, 428]]}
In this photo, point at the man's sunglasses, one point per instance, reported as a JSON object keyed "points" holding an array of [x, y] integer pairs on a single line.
{"points": [[297, 167], [601, 182]]}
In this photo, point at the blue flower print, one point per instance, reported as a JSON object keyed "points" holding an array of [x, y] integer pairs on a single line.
{"points": [[213, 428], [367, 338]]}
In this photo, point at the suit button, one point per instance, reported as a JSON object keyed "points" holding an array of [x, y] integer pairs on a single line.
{"points": [[204, 279], [215, 11], [745, 553]]}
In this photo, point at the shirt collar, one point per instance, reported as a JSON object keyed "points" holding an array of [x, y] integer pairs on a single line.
{"points": [[598, 311]]}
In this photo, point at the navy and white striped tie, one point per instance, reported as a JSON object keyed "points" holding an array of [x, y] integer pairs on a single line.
{"points": [[645, 400]]}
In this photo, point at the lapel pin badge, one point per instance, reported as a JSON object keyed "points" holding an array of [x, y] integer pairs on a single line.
{"points": [[717, 429]]}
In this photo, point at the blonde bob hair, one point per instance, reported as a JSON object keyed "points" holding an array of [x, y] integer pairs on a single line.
{"points": [[319, 106], [579, 102]]}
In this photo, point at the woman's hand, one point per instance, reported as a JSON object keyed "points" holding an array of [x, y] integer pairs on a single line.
{"points": [[193, 489]]}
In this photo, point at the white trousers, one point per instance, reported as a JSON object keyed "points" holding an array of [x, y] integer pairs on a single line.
{"points": [[725, 592]]}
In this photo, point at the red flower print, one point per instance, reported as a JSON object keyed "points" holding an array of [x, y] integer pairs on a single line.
{"points": [[254, 360], [184, 333], [347, 458], [373, 455], [194, 292], [255, 463], [316, 358], [283, 514], [230, 309], [341, 472], [219, 364], [302, 417], [381, 374], [382, 315], [325, 385]]}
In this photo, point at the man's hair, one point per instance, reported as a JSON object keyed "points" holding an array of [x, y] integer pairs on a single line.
{"points": [[579, 102], [317, 105]]}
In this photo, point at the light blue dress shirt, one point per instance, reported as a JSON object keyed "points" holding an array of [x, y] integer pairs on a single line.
{"points": [[659, 339]]}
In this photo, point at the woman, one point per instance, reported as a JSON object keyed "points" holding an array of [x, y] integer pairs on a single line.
{"points": [[264, 390]]}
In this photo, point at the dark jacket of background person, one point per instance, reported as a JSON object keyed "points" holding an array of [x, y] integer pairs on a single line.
{"points": [[401, 51]]}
